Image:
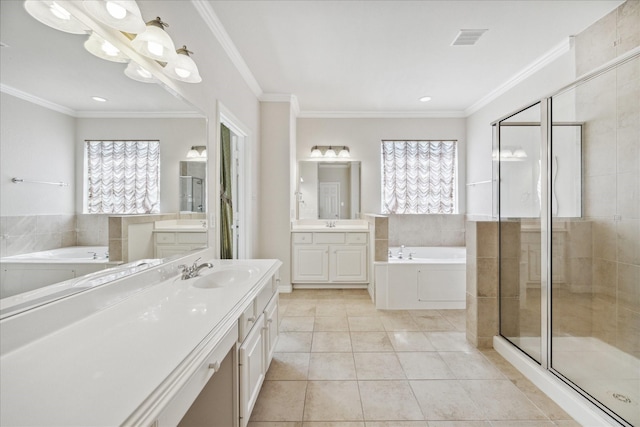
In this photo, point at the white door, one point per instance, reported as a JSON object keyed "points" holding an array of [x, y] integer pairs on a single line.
{"points": [[329, 200]]}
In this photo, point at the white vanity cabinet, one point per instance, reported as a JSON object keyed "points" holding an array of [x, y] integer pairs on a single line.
{"points": [[168, 243], [329, 257], [258, 334]]}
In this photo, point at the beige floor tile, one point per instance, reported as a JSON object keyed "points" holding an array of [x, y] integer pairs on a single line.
{"points": [[396, 424], [459, 424], [289, 366], [294, 342], [331, 323], [458, 318], [513, 423], [410, 341], [389, 400], [370, 341], [330, 308], [306, 308], [275, 424], [470, 366], [331, 342], [332, 366], [297, 324], [333, 401], [365, 323], [501, 363], [445, 400], [360, 308], [567, 423], [280, 401], [426, 365], [399, 323], [333, 424], [432, 320], [541, 400], [450, 341], [501, 400], [378, 366]]}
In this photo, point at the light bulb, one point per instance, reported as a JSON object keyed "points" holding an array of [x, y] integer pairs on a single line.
{"points": [[182, 72], [155, 48], [110, 49], [115, 10], [59, 12]]}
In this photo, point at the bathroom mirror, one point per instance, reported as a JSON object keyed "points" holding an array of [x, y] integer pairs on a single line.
{"points": [[328, 190], [48, 81]]}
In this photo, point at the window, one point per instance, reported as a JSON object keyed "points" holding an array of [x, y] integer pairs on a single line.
{"points": [[418, 177], [122, 177]]}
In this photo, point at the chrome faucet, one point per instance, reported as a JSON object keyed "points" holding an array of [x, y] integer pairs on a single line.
{"points": [[401, 252], [194, 270]]}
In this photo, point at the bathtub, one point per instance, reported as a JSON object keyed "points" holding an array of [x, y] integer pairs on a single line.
{"points": [[26, 272], [431, 278]]}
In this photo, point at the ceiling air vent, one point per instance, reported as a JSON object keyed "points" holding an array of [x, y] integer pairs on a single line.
{"points": [[467, 37]]}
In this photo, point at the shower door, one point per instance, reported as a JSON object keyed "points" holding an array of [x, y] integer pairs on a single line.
{"points": [[517, 155]]}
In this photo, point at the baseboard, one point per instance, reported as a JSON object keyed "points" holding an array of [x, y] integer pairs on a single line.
{"points": [[285, 289]]}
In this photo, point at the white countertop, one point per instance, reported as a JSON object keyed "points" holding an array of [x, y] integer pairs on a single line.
{"points": [[344, 225], [99, 370]]}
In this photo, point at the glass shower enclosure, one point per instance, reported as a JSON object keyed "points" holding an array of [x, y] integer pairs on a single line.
{"points": [[568, 178]]}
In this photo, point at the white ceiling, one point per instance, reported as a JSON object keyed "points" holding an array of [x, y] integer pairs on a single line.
{"points": [[381, 56], [335, 56]]}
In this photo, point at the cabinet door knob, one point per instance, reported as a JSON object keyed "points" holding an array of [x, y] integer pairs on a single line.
{"points": [[214, 366]]}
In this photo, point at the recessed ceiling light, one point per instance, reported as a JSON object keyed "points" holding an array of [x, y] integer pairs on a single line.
{"points": [[425, 99], [99, 99]]}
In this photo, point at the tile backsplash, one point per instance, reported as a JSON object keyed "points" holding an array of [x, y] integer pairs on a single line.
{"points": [[33, 233], [427, 230]]}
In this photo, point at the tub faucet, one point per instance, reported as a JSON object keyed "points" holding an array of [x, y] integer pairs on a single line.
{"points": [[401, 251], [94, 254], [194, 270]]}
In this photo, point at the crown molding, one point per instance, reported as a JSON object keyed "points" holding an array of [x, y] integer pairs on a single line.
{"points": [[282, 97], [36, 100], [138, 115], [213, 22], [541, 62], [381, 114]]}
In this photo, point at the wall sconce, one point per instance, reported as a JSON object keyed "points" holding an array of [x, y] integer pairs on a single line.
{"points": [[328, 152], [197, 152], [150, 39]]}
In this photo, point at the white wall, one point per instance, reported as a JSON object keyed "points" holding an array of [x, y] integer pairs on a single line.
{"points": [[275, 185], [35, 144], [479, 135], [176, 136], [363, 137]]}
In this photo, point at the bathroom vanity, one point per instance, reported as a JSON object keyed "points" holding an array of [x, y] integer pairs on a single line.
{"points": [[330, 253], [173, 237], [149, 349]]}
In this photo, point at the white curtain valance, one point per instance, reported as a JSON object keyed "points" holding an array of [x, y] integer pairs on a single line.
{"points": [[123, 177], [418, 177]]}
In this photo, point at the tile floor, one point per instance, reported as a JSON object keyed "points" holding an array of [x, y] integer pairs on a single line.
{"points": [[340, 362]]}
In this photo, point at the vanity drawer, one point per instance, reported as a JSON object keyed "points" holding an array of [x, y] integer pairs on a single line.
{"points": [[263, 298], [165, 237], [302, 238], [192, 237], [329, 237], [357, 238], [246, 321]]}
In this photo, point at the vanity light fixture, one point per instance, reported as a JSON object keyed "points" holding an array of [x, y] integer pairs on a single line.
{"points": [[104, 49], [50, 13], [315, 151], [136, 72], [344, 153], [197, 152], [330, 153], [154, 42], [520, 153], [123, 15], [181, 67]]}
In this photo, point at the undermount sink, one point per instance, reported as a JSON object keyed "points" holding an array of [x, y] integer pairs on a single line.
{"points": [[225, 276]]}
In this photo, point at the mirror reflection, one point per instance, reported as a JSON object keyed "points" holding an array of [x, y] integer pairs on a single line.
{"points": [[45, 123], [328, 190], [192, 186]]}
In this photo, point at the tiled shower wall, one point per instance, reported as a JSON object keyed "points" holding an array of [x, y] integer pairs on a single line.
{"points": [[33, 233], [427, 230]]}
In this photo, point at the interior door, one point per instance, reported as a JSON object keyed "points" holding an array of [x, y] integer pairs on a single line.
{"points": [[329, 200]]}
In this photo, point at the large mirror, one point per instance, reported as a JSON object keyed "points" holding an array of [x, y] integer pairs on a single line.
{"points": [[48, 81], [328, 190], [193, 186]]}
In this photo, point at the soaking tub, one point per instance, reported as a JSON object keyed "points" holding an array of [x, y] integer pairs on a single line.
{"points": [[424, 278], [26, 272]]}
